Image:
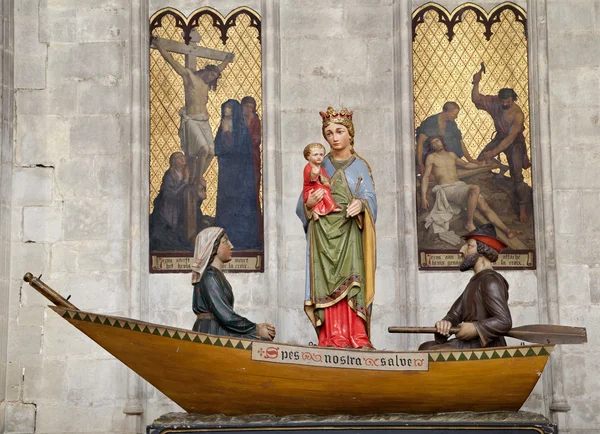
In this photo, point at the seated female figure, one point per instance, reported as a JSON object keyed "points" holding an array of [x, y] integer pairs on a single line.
{"points": [[213, 296]]}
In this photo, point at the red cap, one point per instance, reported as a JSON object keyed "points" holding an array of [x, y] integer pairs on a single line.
{"points": [[494, 243]]}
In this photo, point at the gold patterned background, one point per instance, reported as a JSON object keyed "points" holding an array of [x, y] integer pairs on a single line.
{"points": [[443, 70], [239, 79]]}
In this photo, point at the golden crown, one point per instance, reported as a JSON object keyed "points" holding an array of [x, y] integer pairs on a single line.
{"points": [[339, 118]]}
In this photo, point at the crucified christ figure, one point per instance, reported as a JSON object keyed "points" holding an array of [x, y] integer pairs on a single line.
{"points": [[194, 130]]}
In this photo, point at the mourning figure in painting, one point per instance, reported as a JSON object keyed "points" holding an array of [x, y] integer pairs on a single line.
{"points": [[213, 296], [481, 312], [452, 195], [237, 205], [340, 282], [509, 122], [167, 218], [442, 125]]}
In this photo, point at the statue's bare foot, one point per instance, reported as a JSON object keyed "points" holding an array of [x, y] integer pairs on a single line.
{"points": [[513, 233], [470, 227]]}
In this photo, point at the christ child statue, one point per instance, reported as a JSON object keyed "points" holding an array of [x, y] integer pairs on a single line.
{"points": [[316, 178]]}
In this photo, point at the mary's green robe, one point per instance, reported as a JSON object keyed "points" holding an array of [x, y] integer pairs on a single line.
{"points": [[340, 250]]}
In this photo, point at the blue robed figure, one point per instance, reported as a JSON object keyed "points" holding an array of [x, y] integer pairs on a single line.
{"points": [[237, 205]]}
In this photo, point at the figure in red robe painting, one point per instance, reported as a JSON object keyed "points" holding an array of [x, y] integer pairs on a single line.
{"points": [[253, 123]]}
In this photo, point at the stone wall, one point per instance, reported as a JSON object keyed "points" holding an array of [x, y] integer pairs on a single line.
{"points": [[574, 112], [6, 150], [70, 210], [79, 195]]}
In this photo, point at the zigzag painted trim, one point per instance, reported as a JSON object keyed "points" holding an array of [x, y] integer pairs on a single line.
{"points": [[219, 341], [244, 344], [492, 353]]}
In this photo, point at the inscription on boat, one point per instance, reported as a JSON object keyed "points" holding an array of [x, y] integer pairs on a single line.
{"points": [[328, 358]]}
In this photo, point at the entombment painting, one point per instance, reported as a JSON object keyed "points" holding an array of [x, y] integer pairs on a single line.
{"points": [[205, 135], [472, 142]]}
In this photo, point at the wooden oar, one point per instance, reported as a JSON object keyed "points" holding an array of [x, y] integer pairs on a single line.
{"points": [[537, 333]]}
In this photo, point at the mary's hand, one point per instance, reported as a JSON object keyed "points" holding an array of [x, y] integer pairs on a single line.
{"points": [[314, 197], [354, 208]]}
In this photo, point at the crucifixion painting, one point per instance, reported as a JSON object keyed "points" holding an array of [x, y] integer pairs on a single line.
{"points": [[206, 132]]}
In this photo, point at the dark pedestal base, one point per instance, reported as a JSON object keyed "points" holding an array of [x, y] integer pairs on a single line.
{"points": [[464, 423]]}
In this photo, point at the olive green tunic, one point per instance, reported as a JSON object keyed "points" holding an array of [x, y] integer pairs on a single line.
{"points": [[336, 253]]}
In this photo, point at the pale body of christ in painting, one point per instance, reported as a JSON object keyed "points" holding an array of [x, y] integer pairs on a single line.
{"points": [[195, 132]]}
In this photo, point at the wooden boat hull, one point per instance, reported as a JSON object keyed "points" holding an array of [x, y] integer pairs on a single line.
{"points": [[209, 374]]}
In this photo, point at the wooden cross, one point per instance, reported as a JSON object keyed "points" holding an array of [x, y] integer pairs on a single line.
{"points": [[193, 51]]}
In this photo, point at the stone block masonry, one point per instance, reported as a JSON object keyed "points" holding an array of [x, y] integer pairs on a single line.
{"points": [[70, 208]]}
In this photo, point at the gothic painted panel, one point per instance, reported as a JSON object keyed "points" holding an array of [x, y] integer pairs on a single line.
{"points": [[205, 135], [472, 142]]}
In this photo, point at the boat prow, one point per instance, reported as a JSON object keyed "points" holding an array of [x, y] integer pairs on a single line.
{"points": [[216, 374]]}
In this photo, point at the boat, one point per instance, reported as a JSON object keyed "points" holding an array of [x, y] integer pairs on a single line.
{"points": [[216, 374]]}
